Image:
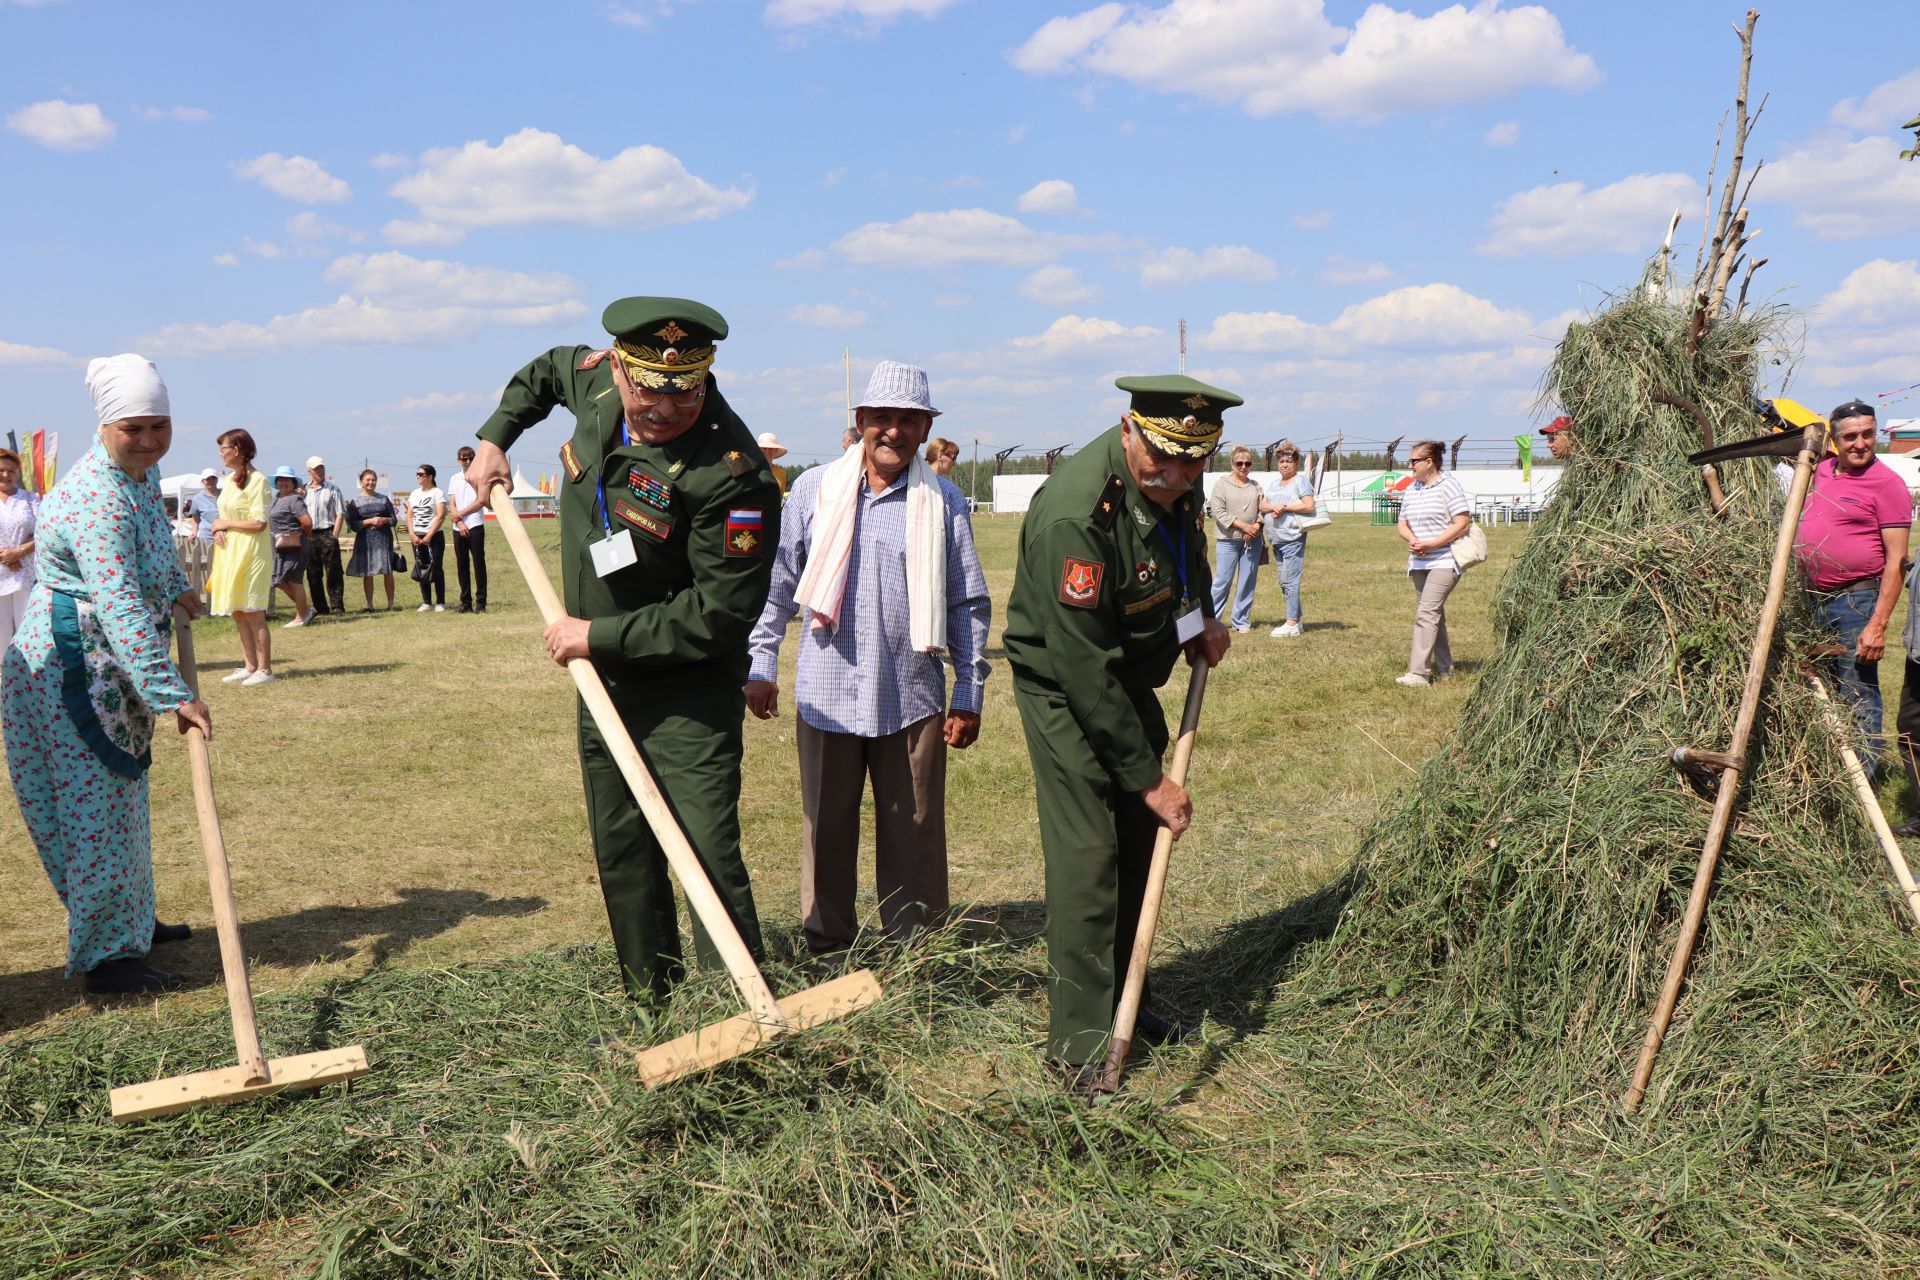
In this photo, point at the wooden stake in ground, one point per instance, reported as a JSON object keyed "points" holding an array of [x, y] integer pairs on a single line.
{"points": [[1870, 805], [1812, 443], [1120, 1043], [255, 1076], [766, 1018]]}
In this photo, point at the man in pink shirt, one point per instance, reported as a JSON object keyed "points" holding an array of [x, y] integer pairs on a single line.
{"points": [[1852, 543]]}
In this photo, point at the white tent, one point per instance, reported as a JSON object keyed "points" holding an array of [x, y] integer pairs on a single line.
{"points": [[527, 498]]}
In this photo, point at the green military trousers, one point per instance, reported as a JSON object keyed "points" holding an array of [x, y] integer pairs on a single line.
{"points": [[1098, 840], [690, 739]]}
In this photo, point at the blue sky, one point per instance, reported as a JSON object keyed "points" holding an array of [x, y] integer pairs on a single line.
{"points": [[345, 226]]}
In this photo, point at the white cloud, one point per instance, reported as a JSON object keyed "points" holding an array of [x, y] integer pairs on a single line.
{"points": [[1074, 336], [17, 355], [226, 259], [804, 13], [1430, 315], [1427, 317], [177, 114], [1273, 58], [1868, 327], [1017, 133], [1844, 190], [296, 178], [1052, 196], [826, 315], [1628, 216], [1174, 268], [1341, 269], [1057, 286], [1313, 220], [952, 299], [308, 225], [390, 160], [1886, 107], [417, 233], [954, 238], [401, 301], [533, 178], [640, 16], [833, 177], [805, 260], [63, 126], [1504, 134]]}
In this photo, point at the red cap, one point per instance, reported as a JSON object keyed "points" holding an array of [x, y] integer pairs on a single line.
{"points": [[1559, 424]]}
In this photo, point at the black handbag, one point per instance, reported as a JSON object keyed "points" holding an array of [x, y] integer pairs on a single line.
{"points": [[399, 561], [422, 567]]}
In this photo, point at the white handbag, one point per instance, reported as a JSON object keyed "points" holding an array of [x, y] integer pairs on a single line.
{"points": [[1470, 548]]}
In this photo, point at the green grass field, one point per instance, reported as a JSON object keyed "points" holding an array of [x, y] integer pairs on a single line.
{"points": [[404, 816]]}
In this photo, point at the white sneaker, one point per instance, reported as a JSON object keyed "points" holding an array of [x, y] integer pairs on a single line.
{"points": [[1413, 681], [1240, 631], [258, 677], [439, 608], [1286, 629], [425, 608], [235, 676], [300, 621]]}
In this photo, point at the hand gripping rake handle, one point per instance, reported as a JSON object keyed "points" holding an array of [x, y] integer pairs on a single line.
{"points": [[1120, 1043], [686, 866]]}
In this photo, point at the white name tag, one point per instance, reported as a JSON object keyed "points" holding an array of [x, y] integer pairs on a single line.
{"points": [[612, 554], [1187, 625]]}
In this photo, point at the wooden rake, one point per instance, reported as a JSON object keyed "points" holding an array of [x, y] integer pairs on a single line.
{"points": [[1120, 1042], [766, 1018], [1806, 447], [255, 1076]]}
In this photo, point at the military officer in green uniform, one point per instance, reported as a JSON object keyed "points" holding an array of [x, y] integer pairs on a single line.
{"points": [[1110, 586], [668, 517]]}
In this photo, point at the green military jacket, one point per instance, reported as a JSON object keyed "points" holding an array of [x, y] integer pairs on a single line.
{"points": [[702, 509], [1095, 593]]}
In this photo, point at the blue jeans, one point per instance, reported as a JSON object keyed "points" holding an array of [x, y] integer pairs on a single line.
{"points": [[1288, 559], [1845, 614], [1229, 558]]}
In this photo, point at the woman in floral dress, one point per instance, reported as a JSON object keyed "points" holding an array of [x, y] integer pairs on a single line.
{"points": [[88, 672]]}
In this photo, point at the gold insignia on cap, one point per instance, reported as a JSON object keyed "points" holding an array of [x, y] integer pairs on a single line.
{"points": [[1195, 402], [664, 370], [672, 333]]}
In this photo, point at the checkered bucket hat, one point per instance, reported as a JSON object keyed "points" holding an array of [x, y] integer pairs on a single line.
{"points": [[898, 386]]}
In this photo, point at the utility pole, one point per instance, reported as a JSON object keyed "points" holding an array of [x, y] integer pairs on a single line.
{"points": [[1054, 453], [973, 481], [1183, 344], [1391, 446], [1453, 463]]}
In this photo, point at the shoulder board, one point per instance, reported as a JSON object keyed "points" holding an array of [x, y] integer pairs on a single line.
{"points": [[1110, 501], [738, 463], [572, 463]]}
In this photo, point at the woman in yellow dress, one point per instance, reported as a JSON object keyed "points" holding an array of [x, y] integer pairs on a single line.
{"points": [[242, 579]]}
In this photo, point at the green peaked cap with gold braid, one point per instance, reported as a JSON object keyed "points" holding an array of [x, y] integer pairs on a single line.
{"points": [[665, 344], [1180, 416]]}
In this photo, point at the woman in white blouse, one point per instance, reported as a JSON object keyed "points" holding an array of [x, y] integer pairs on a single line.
{"points": [[19, 511]]}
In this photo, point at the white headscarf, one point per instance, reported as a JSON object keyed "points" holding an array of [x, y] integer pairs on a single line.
{"points": [[126, 386]]}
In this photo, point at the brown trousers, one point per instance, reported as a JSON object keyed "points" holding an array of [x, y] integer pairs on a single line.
{"points": [[909, 772]]}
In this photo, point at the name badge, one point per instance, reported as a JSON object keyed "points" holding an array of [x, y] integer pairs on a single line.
{"points": [[1187, 625], [612, 553]]}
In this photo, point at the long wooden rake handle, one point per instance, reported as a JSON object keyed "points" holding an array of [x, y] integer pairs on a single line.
{"points": [[1120, 1043], [226, 921], [1870, 804], [686, 866], [1812, 441]]}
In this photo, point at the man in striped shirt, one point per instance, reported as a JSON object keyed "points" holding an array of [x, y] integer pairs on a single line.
{"points": [[872, 703]]}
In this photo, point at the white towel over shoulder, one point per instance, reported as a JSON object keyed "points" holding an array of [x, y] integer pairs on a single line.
{"points": [[824, 581]]}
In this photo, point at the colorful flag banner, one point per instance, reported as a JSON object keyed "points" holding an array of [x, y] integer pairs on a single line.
{"points": [[1526, 458]]}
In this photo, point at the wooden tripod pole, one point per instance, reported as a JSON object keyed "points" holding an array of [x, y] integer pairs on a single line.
{"points": [[1120, 1043], [1870, 805], [226, 920], [701, 897], [1812, 441]]}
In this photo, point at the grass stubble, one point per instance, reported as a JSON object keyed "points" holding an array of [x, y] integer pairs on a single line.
{"points": [[1412, 1069]]}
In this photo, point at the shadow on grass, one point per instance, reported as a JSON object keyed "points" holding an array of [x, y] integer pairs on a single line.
{"points": [[295, 940], [298, 672]]}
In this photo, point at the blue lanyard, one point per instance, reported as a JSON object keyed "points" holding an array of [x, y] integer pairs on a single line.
{"points": [[1179, 556], [600, 483]]}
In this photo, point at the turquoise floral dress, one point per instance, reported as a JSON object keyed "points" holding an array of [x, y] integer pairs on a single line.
{"points": [[84, 680]]}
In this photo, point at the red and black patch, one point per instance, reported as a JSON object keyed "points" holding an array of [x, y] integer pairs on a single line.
{"points": [[746, 531], [1080, 583], [593, 358], [647, 522], [570, 462]]}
